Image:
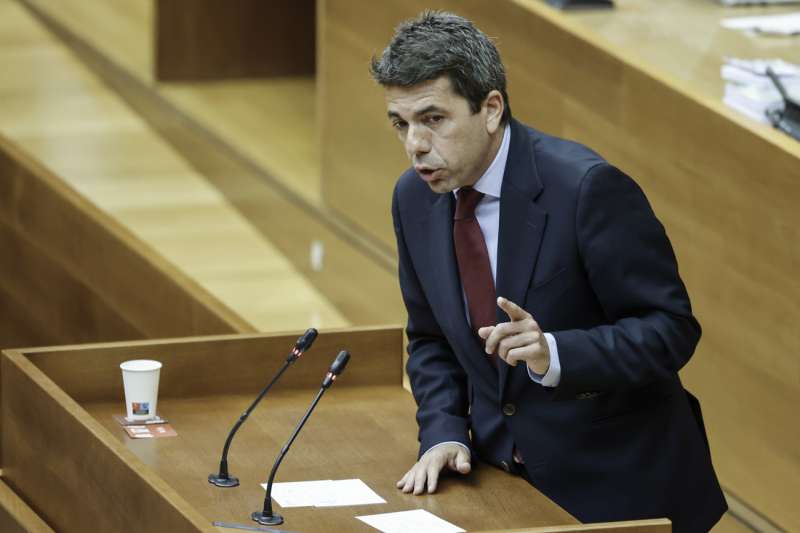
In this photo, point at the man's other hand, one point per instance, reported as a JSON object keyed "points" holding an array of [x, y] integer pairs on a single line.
{"points": [[518, 340], [426, 471]]}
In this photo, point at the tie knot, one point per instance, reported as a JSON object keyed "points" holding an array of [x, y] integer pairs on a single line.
{"points": [[466, 202]]}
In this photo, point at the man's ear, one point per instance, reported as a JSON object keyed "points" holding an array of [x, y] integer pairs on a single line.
{"points": [[494, 106]]}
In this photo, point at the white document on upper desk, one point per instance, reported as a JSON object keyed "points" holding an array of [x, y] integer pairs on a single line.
{"points": [[785, 24], [410, 522], [324, 493]]}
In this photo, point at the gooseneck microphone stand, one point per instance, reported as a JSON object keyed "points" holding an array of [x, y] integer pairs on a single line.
{"points": [[266, 517], [223, 478]]}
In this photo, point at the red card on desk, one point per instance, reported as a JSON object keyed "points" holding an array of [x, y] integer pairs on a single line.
{"points": [[150, 431]]}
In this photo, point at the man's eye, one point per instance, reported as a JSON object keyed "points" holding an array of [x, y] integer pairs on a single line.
{"points": [[434, 119], [399, 124]]}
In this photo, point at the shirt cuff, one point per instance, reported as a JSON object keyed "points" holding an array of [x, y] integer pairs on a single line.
{"points": [[448, 442], [553, 375]]}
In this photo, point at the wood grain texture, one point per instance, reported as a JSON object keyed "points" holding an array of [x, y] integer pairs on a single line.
{"points": [[724, 187], [364, 427], [123, 29], [82, 277], [271, 206], [16, 516], [270, 122], [56, 458], [208, 40], [67, 118], [661, 525], [232, 364]]}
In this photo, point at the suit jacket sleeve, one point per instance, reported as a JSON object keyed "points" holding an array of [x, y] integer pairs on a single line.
{"points": [[437, 379], [651, 332]]}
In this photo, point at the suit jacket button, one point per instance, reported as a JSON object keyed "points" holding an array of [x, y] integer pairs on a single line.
{"points": [[509, 409], [505, 466]]}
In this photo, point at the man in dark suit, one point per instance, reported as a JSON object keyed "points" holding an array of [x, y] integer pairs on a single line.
{"points": [[547, 321]]}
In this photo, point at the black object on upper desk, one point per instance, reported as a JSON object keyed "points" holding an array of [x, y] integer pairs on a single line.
{"points": [[569, 4], [787, 119]]}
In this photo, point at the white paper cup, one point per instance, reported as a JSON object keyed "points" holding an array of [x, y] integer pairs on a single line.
{"points": [[140, 379]]}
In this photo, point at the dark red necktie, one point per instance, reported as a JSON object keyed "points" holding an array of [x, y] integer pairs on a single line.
{"points": [[473, 260]]}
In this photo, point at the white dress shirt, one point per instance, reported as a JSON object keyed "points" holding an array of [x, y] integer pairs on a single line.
{"points": [[488, 214]]}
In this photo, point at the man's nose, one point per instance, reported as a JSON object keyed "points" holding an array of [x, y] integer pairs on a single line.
{"points": [[417, 141]]}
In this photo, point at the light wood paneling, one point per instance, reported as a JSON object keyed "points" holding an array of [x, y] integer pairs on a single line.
{"points": [[80, 276], [116, 27], [63, 115], [356, 277], [237, 135], [637, 86], [729, 524], [358, 149], [272, 123]]}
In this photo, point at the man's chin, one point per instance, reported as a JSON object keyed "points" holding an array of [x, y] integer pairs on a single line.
{"points": [[440, 186]]}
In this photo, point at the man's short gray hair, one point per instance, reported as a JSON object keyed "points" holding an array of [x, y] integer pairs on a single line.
{"points": [[438, 43]]}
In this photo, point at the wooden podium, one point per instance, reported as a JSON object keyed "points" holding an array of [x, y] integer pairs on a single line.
{"points": [[66, 458]]}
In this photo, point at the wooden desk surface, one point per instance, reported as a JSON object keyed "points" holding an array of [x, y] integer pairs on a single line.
{"points": [[65, 456], [355, 432], [683, 39]]}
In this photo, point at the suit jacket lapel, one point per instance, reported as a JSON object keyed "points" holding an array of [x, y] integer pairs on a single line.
{"points": [[522, 224], [443, 262]]}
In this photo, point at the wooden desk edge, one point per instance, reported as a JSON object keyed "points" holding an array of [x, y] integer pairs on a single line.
{"points": [[657, 525], [581, 32], [16, 515], [192, 339]]}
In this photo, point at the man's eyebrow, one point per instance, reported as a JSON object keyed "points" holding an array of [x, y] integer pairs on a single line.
{"points": [[424, 111], [428, 109]]}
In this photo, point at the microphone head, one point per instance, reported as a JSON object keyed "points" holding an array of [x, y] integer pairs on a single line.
{"points": [[339, 363], [305, 341]]}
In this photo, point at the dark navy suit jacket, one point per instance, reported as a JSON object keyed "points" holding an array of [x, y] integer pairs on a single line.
{"points": [[582, 251]]}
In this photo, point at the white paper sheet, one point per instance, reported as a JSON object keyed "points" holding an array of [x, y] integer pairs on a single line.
{"points": [[785, 24], [410, 522], [324, 493], [349, 492], [299, 493]]}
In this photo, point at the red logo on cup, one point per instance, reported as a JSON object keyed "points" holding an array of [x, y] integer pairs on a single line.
{"points": [[142, 408]]}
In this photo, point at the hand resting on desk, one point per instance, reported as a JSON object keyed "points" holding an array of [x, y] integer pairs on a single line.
{"points": [[426, 470]]}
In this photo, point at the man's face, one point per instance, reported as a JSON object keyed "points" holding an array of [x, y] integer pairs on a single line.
{"points": [[448, 144]]}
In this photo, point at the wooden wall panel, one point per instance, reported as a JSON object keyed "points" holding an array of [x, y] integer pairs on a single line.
{"points": [[207, 39], [75, 275], [16, 516], [359, 150], [724, 188], [240, 364]]}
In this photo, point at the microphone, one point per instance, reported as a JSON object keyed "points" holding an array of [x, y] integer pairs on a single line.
{"points": [[266, 517], [223, 478]]}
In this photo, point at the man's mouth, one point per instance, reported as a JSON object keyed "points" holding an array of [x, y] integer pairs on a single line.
{"points": [[427, 174]]}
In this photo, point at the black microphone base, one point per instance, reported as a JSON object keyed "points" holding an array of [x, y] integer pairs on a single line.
{"points": [[267, 520], [220, 481]]}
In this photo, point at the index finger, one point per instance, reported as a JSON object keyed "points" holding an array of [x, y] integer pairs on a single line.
{"points": [[433, 478], [514, 311]]}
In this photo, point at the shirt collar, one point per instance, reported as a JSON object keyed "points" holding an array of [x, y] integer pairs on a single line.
{"points": [[492, 180]]}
